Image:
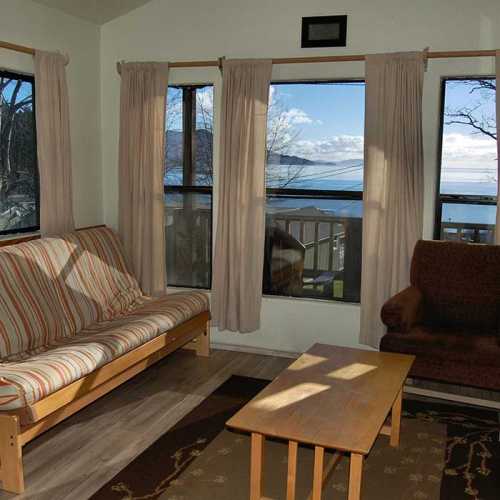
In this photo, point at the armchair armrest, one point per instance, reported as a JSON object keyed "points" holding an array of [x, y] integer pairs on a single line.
{"points": [[403, 310]]}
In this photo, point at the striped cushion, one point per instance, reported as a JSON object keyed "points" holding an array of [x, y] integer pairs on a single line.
{"points": [[28, 377], [53, 288]]}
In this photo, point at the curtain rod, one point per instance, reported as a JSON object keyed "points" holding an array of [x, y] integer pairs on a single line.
{"points": [[17, 48], [291, 60], [345, 58]]}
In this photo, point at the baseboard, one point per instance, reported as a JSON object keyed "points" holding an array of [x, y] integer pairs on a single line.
{"points": [[255, 350], [409, 389]]}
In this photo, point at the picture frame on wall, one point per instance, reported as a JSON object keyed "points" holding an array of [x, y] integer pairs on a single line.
{"points": [[324, 31]]}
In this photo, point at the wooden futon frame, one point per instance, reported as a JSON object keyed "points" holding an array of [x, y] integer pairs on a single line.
{"points": [[192, 334]]}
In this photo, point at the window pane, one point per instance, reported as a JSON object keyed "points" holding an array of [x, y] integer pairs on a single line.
{"points": [[315, 136], [188, 185], [191, 164], [19, 187], [468, 164], [468, 222], [204, 136], [313, 248], [315, 149], [189, 239], [174, 138]]}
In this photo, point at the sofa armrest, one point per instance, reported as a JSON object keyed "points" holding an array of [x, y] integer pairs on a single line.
{"points": [[403, 310]]}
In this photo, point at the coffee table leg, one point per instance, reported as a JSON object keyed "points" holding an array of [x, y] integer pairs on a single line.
{"points": [[319, 454], [355, 473], [396, 419], [292, 470], [256, 459]]}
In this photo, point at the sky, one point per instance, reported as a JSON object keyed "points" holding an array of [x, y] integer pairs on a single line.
{"points": [[24, 91], [326, 122], [468, 155], [330, 119]]}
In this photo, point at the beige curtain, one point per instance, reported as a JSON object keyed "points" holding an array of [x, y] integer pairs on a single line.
{"points": [[497, 229], [53, 143], [141, 171], [393, 181], [239, 246]]}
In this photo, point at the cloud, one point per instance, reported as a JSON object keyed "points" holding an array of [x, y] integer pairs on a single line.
{"points": [[469, 157], [336, 148], [297, 116], [458, 146]]}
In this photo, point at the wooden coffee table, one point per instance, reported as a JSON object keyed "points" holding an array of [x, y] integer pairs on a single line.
{"points": [[331, 397]]}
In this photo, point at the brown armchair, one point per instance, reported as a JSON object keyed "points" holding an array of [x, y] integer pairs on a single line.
{"points": [[449, 317]]}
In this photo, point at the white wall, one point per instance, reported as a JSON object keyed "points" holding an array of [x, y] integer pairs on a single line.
{"points": [[28, 23], [196, 29]]}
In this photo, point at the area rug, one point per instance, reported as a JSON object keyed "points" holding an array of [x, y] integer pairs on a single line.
{"points": [[447, 452]]}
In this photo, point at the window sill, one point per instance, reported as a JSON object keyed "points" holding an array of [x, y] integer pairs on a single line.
{"points": [[18, 237], [173, 289], [310, 299]]}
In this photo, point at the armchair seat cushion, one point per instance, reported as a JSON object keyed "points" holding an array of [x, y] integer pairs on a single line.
{"points": [[442, 344], [27, 377], [457, 358]]}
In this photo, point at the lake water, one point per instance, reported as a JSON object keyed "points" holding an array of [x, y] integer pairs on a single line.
{"points": [[324, 177]]}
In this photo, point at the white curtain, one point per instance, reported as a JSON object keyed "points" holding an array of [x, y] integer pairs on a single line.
{"points": [[393, 182], [497, 230], [239, 246], [141, 170], [53, 143]]}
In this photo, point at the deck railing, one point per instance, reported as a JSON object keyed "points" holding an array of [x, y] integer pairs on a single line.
{"points": [[333, 245], [468, 231], [324, 238], [332, 250]]}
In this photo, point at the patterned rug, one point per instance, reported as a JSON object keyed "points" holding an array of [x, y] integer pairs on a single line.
{"points": [[447, 452]]}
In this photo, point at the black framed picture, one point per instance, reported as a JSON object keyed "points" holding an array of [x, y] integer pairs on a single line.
{"points": [[324, 31]]}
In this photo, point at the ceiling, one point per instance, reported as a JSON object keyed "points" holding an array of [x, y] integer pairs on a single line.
{"points": [[95, 11]]}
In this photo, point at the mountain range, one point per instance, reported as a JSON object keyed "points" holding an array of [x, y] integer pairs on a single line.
{"points": [[204, 141]]}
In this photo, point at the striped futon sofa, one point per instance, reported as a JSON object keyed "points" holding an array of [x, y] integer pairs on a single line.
{"points": [[74, 324]]}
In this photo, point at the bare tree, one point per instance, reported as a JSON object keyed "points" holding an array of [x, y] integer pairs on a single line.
{"points": [[204, 136], [282, 134], [18, 175], [474, 116]]}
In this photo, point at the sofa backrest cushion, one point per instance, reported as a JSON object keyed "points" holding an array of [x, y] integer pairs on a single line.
{"points": [[54, 287], [460, 283]]}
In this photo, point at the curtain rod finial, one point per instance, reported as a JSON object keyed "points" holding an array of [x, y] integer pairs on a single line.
{"points": [[426, 57], [221, 61]]}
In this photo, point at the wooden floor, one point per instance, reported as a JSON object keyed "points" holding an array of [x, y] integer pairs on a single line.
{"points": [[77, 457]]}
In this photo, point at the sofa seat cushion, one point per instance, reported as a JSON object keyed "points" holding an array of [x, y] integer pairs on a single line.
{"points": [[28, 377], [455, 346]]}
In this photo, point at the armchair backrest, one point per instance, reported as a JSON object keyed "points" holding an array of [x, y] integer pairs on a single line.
{"points": [[460, 283]]}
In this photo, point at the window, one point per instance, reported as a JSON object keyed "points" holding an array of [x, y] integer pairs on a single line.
{"points": [[188, 185], [19, 186], [314, 178], [466, 202]]}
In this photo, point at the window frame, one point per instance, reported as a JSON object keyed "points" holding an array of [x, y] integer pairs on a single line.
{"points": [[27, 77], [349, 195], [187, 157], [461, 199]]}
